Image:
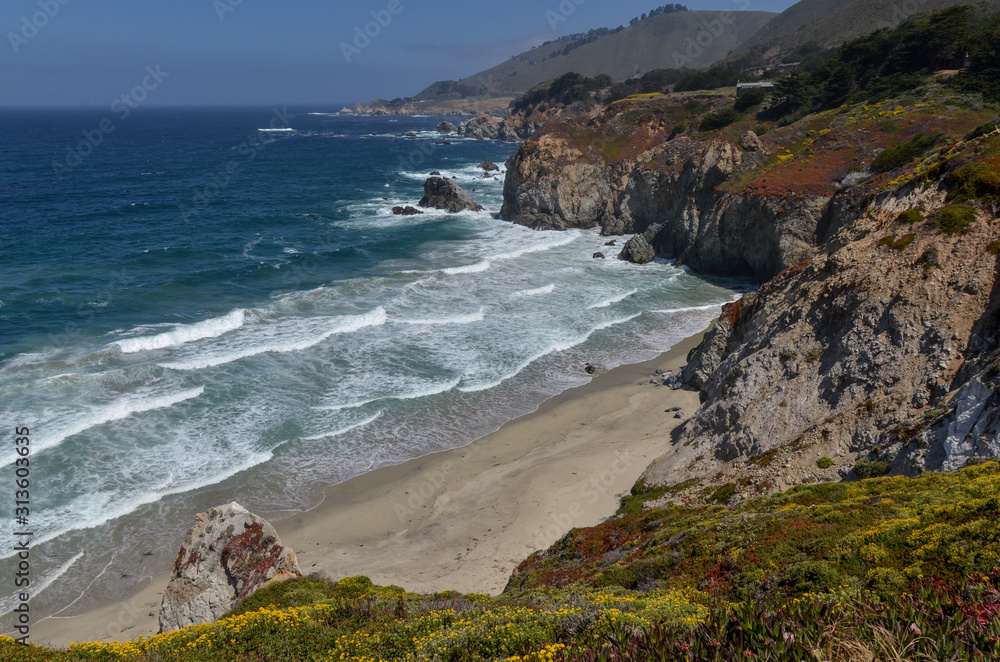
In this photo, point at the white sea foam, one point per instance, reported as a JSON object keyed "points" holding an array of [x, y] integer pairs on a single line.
{"points": [[433, 389], [115, 411], [454, 319], [90, 510], [346, 324], [537, 248], [613, 300], [551, 349], [691, 309], [211, 328], [344, 430], [548, 289], [468, 269], [285, 130]]}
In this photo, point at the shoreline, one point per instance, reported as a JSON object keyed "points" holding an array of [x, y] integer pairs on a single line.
{"points": [[461, 519]]}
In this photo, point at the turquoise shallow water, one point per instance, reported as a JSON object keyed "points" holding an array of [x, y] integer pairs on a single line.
{"points": [[204, 308]]}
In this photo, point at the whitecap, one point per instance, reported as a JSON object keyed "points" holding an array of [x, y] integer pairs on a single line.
{"points": [[122, 408], [551, 349], [210, 328], [346, 324], [344, 430], [433, 389], [468, 269], [455, 319], [548, 289], [615, 299]]}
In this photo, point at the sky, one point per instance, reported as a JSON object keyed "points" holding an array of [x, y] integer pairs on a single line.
{"points": [[260, 52]]}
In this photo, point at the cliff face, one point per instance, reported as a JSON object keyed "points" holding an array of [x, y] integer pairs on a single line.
{"points": [[630, 170], [882, 349], [875, 337]]}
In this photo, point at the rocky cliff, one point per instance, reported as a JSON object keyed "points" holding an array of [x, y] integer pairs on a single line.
{"points": [[873, 341], [638, 168], [880, 352]]}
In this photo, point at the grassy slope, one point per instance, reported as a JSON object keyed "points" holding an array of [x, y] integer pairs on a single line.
{"points": [[639, 48], [830, 23], [876, 565]]}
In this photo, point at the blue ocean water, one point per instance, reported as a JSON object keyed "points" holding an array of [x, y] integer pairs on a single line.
{"points": [[215, 305]]}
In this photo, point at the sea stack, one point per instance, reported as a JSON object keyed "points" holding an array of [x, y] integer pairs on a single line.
{"points": [[441, 193]]}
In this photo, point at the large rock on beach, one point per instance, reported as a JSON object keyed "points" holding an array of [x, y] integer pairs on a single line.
{"points": [[442, 193], [227, 555]]}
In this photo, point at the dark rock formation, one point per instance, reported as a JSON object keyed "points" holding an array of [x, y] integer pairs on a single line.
{"points": [[442, 193], [489, 166], [638, 250], [227, 555], [446, 127], [406, 211]]}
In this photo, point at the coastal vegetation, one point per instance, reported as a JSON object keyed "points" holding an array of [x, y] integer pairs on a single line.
{"points": [[819, 572]]}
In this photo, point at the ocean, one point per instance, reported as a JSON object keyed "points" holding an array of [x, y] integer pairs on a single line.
{"points": [[201, 306]]}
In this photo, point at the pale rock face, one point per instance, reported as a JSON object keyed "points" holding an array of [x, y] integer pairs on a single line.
{"points": [[227, 555], [972, 431]]}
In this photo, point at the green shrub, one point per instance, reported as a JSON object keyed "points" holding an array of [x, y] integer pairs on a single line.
{"points": [[915, 215], [752, 97], [679, 128], [824, 462], [812, 577], [723, 494], [899, 155], [994, 247], [761, 129], [868, 468], [955, 218], [813, 354], [719, 120]]}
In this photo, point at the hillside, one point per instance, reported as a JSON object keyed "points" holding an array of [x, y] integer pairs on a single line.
{"points": [[828, 572], [830, 23], [659, 42]]}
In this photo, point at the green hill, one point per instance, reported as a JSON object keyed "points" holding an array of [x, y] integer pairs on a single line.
{"points": [[832, 22], [694, 39]]}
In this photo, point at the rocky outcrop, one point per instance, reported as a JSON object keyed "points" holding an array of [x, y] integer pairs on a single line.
{"points": [[507, 129], [637, 250], [442, 193], [627, 184], [405, 211], [227, 555], [885, 345], [446, 128], [488, 166]]}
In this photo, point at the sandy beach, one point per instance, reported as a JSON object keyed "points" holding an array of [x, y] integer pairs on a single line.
{"points": [[462, 519]]}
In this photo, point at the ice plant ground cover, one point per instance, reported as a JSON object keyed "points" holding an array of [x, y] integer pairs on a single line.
{"points": [[883, 567]]}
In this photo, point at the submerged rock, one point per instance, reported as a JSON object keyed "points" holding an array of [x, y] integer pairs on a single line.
{"points": [[227, 555], [406, 211], [441, 193]]}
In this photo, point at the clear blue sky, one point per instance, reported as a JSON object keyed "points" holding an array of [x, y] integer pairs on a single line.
{"points": [[90, 52]]}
